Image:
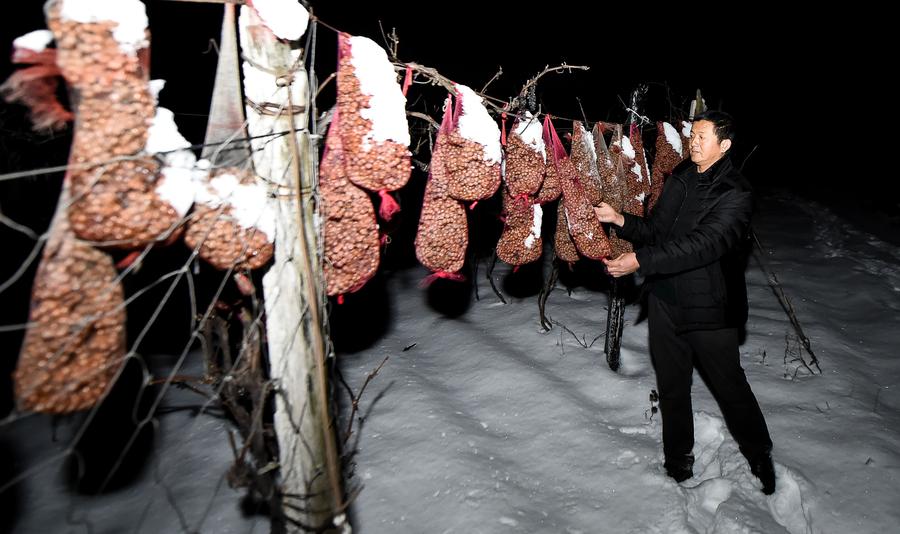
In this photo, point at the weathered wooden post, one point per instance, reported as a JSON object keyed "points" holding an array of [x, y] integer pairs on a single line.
{"points": [[277, 94]]}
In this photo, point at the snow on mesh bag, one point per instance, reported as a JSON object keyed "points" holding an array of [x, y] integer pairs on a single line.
{"points": [[472, 151], [669, 150], [584, 158], [612, 173], [582, 222], [563, 244], [520, 242], [230, 225], [640, 158], [374, 130], [101, 51], [526, 157]]}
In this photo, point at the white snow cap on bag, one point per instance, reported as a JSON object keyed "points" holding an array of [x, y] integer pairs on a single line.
{"points": [[287, 19], [248, 202], [672, 137], [532, 133], [129, 15], [35, 41], [477, 125], [387, 105]]}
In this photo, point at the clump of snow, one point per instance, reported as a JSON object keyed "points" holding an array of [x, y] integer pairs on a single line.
{"points": [[588, 139], [130, 17], [387, 105], [628, 150], [535, 226], [36, 40], [627, 147], [180, 173], [163, 135], [176, 186], [532, 133], [248, 202], [262, 86], [672, 137], [156, 86], [477, 125], [287, 19], [686, 128]]}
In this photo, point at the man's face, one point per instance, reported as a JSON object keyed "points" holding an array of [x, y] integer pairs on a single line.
{"points": [[705, 146]]}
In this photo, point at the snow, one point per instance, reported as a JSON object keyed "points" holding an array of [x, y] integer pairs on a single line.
{"points": [[628, 148], [36, 40], [156, 87], [477, 125], [248, 202], [176, 186], [387, 105], [532, 133], [163, 135], [535, 226], [179, 179], [672, 137], [589, 142], [489, 424], [261, 86], [287, 19], [130, 17]]}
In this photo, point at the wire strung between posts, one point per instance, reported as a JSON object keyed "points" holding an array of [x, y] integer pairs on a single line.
{"points": [[89, 165]]}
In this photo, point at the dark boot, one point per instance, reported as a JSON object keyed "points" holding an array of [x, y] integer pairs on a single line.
{"points": [[762, 468], [681, 468]]}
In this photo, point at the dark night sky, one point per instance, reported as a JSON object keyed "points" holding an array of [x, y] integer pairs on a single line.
{"points": [[779, 73]]}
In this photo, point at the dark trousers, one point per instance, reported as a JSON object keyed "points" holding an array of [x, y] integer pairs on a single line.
{"points": [[716, 354]]}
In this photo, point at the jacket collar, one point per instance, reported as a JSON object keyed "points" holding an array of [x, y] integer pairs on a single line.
{"points": [[716, 170]]}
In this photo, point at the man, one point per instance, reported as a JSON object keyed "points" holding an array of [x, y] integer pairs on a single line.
{"points": [[689, 249]]}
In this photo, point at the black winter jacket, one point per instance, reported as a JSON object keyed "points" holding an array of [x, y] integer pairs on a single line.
{"points": [[693, 246]]}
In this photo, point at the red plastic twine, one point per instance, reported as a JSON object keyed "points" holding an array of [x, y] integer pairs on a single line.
{"points": [[128, 260], [457, 110], [388, 207], [407, 80], [523, 198], [551, 138], [428, 280], [447, 121], [503, 128]]}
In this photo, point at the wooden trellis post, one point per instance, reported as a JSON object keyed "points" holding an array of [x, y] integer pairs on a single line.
{"points": [[277, 94]]}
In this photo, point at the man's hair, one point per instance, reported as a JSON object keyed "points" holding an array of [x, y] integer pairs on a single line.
{"points": [[722, 121]]}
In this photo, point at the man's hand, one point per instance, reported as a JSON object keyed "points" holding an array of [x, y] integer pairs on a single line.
{"points": [[607, 214], [623, 265]]}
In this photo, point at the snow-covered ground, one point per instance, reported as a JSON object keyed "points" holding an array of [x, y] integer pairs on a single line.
{"points": [[489, 424]]}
